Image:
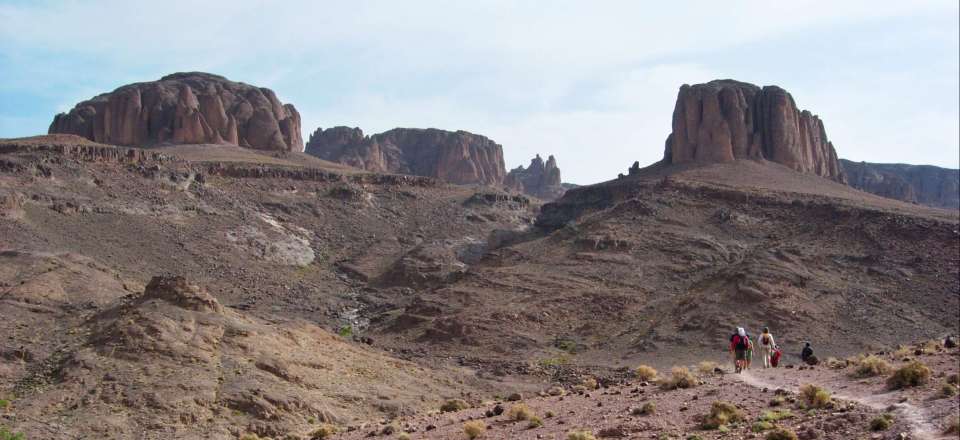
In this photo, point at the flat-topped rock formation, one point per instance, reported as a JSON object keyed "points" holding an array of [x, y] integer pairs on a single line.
{"points": [[452, 156], [924, 184], [541, 180], [186, 108], [724, 120]]}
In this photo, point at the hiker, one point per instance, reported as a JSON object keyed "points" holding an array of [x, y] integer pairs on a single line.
{"points": [[767, 346], [749, 361], [739, 343], [807, 353]]}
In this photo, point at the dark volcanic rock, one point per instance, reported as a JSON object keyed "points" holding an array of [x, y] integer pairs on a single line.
{"points": [[539, 180], [186, 108], [925, 184], [725, 120], [453, 156]]}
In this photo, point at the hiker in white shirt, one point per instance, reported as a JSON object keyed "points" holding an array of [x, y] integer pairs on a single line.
{"points": [[767, 345]]}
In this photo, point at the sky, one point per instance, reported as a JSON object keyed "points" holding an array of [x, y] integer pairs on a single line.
{"points": [[593, 83]]}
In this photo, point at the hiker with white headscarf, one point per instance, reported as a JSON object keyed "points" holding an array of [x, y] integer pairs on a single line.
{"points": [[739, 344]]}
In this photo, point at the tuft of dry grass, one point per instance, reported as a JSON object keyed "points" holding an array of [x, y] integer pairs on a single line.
{"points": [[706, 367], [590, 383], [948, 390], [680, 377], [534, 422], [882, 422], [781, 434], [580, 435], [474, 429], [871, 366], [325, 431], [911, 375], [519, 412], [454, 405], [721, 413], [814, 396], [404, 436], [646, 373]]}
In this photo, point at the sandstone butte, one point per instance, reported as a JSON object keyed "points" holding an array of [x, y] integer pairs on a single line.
{"points": [[724, 120], [541, 180], [453, 156], [186, 108]]}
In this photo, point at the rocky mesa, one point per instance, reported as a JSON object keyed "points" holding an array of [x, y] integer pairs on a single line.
{"points": [[923, 184], [186, 108], [724, 120], [541, 180], [453, 156]]}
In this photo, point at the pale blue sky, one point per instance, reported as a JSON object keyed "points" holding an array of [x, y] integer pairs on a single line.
{"points": [[593, 83]]}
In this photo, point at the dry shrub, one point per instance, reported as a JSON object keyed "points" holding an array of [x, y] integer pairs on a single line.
{"points": [[404, 436], [534, 422], [814, 396], [948, 390], [680, 377], [871, 366], [474, 429], [556, 391], [646, 373], [580, 435], [325, 431], [902, 352], [706, 367], [721, 413], [835, 364], [781, 434], [882, 422], [454, 405], [645, 410], [590, 383], [911, 375], [519, 412]]}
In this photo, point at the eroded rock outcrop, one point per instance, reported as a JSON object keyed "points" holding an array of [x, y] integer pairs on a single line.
{"points": [[924, 184], [724, 120], [453, 156], [541, 180], [186, 108]]}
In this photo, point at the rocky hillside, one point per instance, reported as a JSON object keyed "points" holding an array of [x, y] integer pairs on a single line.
{"points": [[186, 108], [924, 184], [724, 120], [456, 157], [540, 180]]}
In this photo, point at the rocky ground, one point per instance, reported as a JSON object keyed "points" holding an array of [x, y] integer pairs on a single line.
{"points": [[315, 293], [759, 395]]}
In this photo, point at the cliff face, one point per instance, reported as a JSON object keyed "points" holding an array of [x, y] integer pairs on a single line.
{"points": [[541, 180], [186, 108], [456, 157], [725, 120], [924, 184]]}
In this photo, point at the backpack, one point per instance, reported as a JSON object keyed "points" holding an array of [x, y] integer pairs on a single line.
{"points": [[740, 342], [775, 359], [765, 339]]}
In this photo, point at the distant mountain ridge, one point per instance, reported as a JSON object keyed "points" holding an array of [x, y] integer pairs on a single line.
{"points": [[924, 184]]}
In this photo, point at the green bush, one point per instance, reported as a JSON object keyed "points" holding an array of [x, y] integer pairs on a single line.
{"points": [[911, 375], [762, 426], [6, 434], [775, 416]]}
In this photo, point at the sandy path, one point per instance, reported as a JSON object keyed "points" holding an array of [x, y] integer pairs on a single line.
{"points": [[917, 418]]}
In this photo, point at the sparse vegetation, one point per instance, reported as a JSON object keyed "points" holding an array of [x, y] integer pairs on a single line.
{"points": [[556, 391], [590, 383], [474, 429], [534, 422], [325, 431], [911, 375], [953, 427], [345, 332], [835, 364], [761, 426], [707, 367], [556, 361], [721, 413], [519, 412], [580, 435], [882, 422], [948, 390], [647, 409], [680, 377], [871, 366], [781, 434], [404, 436], [4, 404], [646, 373], [776, 416], [902, 352], [549, 414], [814, 396], [777, 401], [454, 405], [953, 379]]}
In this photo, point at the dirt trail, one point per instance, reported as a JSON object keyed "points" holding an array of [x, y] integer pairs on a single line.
{"points": [[917, 418]]}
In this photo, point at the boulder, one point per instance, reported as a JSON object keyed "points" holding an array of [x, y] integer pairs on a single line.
{"points": [[452, 156], [186, 108], [540, 180], [724, 120]]}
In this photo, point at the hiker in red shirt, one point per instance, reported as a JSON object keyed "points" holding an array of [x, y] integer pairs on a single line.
{"points": [[739, 344]]}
